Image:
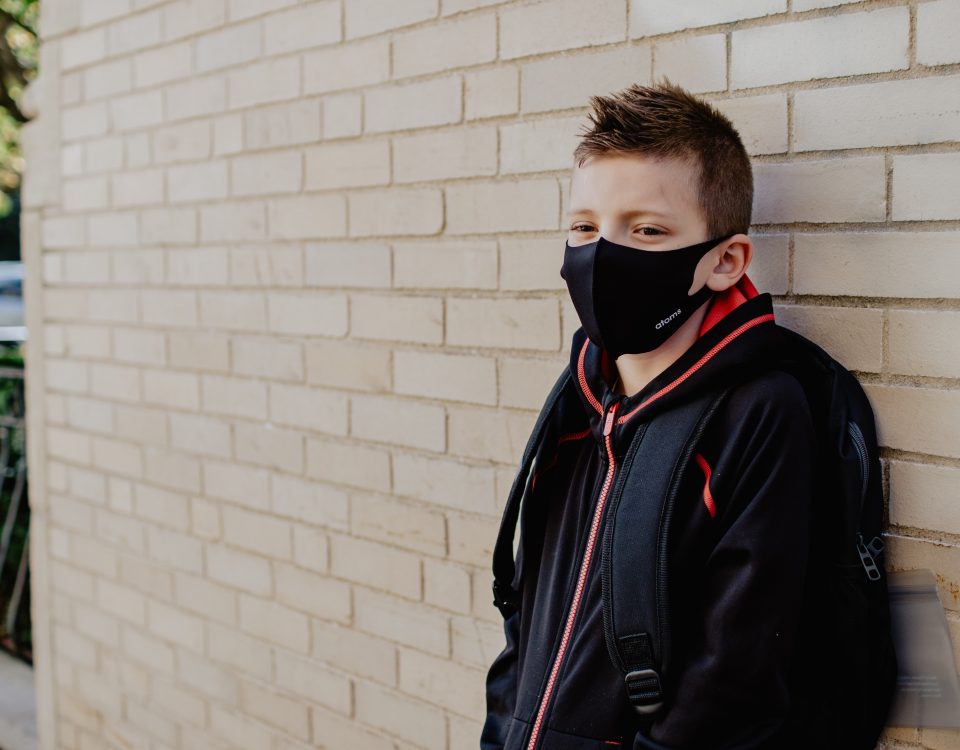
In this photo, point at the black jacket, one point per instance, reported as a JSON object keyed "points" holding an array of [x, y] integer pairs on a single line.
{"points": [[738, 556]]}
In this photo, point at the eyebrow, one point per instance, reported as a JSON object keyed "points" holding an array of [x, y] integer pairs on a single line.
{"points": [[623, 214]]}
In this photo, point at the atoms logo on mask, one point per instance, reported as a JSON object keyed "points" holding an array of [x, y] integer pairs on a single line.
{"points": [[666, 320]]}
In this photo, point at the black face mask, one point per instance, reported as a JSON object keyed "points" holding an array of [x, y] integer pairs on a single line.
{"points": [[631, 300]]}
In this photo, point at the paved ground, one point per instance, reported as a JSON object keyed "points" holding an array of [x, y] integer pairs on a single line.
{"points": [[17, 714]]}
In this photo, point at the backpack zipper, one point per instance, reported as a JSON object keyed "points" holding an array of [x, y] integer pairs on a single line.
{"points": [[581, 577]]}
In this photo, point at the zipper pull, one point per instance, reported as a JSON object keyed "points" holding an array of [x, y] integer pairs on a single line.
{"points": [[608, 422]]}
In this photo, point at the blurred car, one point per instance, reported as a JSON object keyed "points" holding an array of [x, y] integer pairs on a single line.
{"points": [[11, 301]]}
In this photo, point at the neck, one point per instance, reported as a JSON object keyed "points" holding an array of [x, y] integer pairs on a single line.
{"points": [[637, 370]]}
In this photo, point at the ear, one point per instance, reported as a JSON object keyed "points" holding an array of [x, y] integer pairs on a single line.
{"points": [[732, 256]]}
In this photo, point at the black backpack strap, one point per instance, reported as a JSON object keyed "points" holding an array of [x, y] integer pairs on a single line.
{"points": [[505, 596], [634, 569]]}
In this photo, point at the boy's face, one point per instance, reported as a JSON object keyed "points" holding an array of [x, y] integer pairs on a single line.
{"points": [[640, 201]]}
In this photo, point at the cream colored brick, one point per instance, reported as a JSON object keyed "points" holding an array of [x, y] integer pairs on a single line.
{"points": [[430, 678], [299, 28], [503, 323], [246, 485], [267, 264], [489, 434], [365, 17], [84, 122], [172, 469], [228, 134], [476, 643], [286, 124], [899, 409], [275, 623], [207, 266], [267, 357], [820, 48], [229, 47], [205, 519], [313, 681], [539, 145], [760, 120], [343, 364], [195, 97], [339, 731], [349, 464], [132, 33], [768, 268], [937, 39], [108, 79], [491, 93], [169, 307], [444, 482], [525, 382], [336, 264], [310, 551], [436, 101], [698, 63], [198, 181], [309, 502], [257, 532], [111, 229], [649, 17], [66, 375], [162, 65], [136, 111], [375, 565], [241, 397], [171, 226], [909, 553], [446, 586], [402, 621], [62, 231], [875, 264], [122, 602], [319, 596], [308, 217], [923, 496], [848, 189], [201, 434], [118, 457], [239, 570], [233, 310], [926, 186], [470, 40], [398, 523], [355, 652], [162, 507], [151, 652], [521, 27], [267, 174], [262, 82], [412, 720], [308, 408], [86, 268], [316, 313], [395, 318], [854, 336], [522, 205], [172, 625], [342, 115], [398, 421], [811, 4], [460, 265], [267, 445], [396, 211], [240, 732], [583, 74], [887, 113], [345, 165], [199, 350], [119, 383], [346, 66], [460, 152], [531, 264], [924, 342], [454, 377]]}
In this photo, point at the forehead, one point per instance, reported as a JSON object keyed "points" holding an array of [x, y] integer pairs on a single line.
{"points": [[634, 182]]}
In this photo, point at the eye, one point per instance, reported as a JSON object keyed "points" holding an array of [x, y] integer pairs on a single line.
{"points": [[581, 228], [653, 231]]}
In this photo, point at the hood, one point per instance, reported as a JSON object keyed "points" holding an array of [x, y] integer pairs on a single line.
{"points": [[738, 334]]}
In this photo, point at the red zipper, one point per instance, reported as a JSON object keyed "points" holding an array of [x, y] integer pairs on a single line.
{"points": [[581, 578]]}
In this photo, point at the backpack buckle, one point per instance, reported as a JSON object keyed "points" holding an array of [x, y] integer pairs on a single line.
{"points": [[867, 555], [643, 690], [504, 599]]}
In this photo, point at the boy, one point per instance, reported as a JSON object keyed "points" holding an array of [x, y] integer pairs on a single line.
{"points": [[655, 263]]}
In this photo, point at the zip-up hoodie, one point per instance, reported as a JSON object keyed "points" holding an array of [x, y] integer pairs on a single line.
{"points": [[737, 557]]}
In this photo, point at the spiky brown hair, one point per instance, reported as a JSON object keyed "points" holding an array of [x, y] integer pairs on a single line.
{"points": [[667, 121]]}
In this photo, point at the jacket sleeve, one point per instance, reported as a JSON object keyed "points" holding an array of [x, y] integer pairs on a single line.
{"points": [[502, 688], [729, 689]]}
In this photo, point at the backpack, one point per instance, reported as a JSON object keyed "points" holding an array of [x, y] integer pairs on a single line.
{"points": [[844, 670]]}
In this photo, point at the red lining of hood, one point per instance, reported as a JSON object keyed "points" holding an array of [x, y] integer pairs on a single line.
{"points": [[723, 303]]}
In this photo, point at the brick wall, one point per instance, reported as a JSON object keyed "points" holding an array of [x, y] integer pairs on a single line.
{"points": [[294, 298]]}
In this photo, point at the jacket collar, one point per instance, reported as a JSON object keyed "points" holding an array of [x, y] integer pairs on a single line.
{"points": [[737, 331]]}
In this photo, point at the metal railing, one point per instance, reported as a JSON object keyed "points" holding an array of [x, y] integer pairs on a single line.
{"points": [[15, 628]]}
